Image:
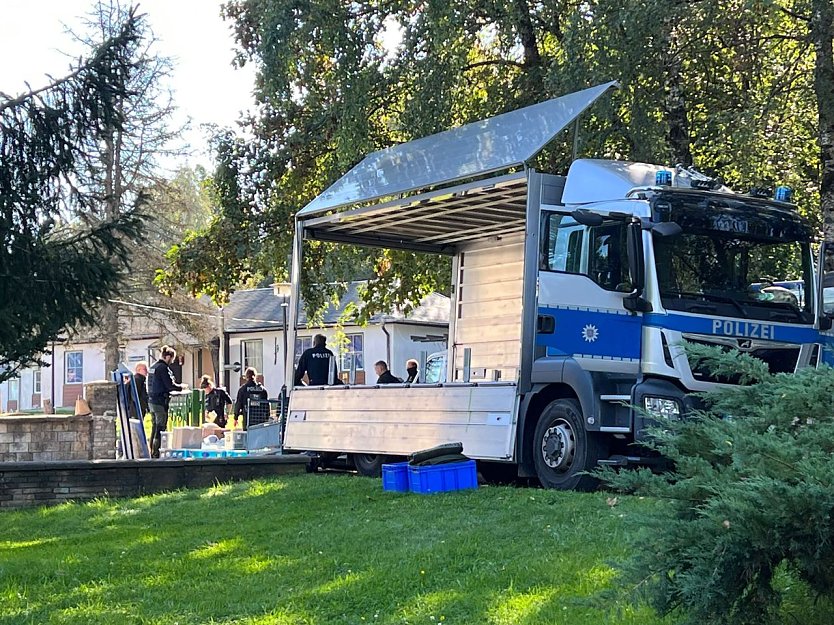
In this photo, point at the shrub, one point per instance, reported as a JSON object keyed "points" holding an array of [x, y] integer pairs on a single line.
{"points": [[751, 493]]}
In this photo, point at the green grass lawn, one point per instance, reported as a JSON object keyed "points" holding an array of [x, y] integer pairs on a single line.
{"points": [[316, 549]]}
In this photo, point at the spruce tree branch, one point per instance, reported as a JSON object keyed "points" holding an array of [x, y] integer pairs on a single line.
{"points": [[83, 66]]}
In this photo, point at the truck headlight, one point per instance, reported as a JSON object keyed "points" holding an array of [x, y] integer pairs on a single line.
{"points": [[662, 408]]}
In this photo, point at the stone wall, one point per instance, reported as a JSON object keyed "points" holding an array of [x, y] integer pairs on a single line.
{"points": [[25, 484], [44, 438]]}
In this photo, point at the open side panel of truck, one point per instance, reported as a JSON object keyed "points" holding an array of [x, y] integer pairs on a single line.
{"points": [[397, 420], [444, 194]]}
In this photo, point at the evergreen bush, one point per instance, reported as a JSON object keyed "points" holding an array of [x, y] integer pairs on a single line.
{"points": [[748, 503]]}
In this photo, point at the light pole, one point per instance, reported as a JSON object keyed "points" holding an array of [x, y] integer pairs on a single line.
{"points": [[283, 290]]}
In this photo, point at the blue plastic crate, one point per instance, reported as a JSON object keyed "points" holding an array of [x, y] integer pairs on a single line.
{"points": [[441, 478], [395, 477]]}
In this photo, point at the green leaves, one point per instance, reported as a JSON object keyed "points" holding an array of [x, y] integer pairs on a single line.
{"points": [[751, 497]]}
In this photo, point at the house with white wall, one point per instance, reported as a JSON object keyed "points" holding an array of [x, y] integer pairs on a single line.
{"points": [[79, 358], [253, 335]]}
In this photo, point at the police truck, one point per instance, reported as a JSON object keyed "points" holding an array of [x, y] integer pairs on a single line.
{"points": [[574, 297]]}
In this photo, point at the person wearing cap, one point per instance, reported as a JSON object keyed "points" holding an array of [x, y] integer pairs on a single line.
{"points": [[216, 400]]}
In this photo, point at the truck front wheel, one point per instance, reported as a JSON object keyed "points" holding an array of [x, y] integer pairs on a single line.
{"points": [[563, 450]]}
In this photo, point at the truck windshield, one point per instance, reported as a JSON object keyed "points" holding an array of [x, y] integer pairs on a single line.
{"points": [[734, 257]]}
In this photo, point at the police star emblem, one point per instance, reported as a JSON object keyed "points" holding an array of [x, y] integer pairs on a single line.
{"points": [[590, 333]]}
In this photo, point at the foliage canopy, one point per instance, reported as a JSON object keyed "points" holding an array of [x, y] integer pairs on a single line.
{"points": [[726, 85]]}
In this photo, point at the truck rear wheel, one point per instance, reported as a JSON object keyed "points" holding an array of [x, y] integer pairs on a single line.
{"points": [[563, 450], [369, 465]]}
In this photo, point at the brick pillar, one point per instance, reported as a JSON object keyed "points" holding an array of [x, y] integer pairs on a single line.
{"points": [[103, 443], [101, 396]]}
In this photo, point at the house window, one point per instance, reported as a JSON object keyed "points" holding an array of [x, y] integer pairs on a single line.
{"points": [[302, 343], [353, 349], [74, 367], [253, 354], [36, 382], [14, 389]]}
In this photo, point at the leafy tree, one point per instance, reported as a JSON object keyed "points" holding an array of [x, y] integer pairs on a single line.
{"points": [[726, 85], [57, 261], [129, 152]]}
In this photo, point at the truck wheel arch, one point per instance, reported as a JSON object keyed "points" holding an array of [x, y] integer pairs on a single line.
{"points": [[576, 383]]}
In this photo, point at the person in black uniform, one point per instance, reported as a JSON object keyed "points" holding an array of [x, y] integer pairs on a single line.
{"points": [[315, 362], [216, 400], [250, 390], [161, 387], [385, 376], [140, 379]]}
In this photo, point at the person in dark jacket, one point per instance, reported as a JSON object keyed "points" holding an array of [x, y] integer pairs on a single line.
{"points": [[140, 379], [411, 370], [316, 362], [216, 400], [385, 376], [161, 387], [250, 390]]}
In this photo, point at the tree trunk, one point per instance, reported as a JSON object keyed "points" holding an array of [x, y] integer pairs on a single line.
{"points": [[533, 70], [822, 31], [676, 116], [110, 313], [111, 330]]}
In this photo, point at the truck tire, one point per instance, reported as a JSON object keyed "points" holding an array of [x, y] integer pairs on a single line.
{"points": [[369, 465], [563, 450]]}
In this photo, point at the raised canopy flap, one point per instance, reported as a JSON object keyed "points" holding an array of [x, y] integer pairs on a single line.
{"points": [[483, 147]]}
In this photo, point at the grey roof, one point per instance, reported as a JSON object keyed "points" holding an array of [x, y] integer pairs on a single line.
{"points": [[260, 309], [491, 145]]}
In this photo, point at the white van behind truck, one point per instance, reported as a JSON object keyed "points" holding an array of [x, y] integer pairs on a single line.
{"points": [[573, 297], [435, 371]]}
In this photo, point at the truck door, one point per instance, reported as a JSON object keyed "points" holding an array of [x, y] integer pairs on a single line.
{"points": [[825, 302], [584, 279]]}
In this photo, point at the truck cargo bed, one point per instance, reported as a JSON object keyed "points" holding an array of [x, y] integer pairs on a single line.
{"points": [[397, 419]]}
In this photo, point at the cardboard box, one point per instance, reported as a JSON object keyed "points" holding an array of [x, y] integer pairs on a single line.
{"points": [[236, 439], [186, 438]]}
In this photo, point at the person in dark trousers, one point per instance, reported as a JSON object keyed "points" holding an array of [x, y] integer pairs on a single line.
{"points": [[385, 376], [161, 387], [250, 390], [140, 378], [316, 363], [411, 370], [216, 400]]}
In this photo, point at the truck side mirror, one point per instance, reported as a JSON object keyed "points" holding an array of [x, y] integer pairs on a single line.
{"points": [[636, 269]]}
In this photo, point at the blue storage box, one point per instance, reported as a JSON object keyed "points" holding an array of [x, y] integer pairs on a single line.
{"points": [[441, 478], [395, 477]]}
